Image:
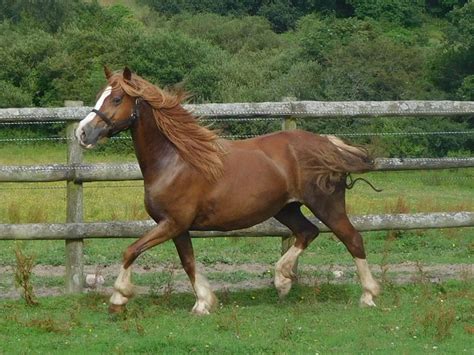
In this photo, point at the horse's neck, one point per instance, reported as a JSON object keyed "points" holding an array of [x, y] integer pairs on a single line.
{"points": [[153, 150]]}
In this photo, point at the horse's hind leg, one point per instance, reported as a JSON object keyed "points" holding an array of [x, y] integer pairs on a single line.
{"points": [[304, 232], [331, 210], [205, 298]]}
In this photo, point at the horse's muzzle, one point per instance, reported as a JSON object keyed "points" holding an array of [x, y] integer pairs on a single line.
{"points": [[88, 136]]}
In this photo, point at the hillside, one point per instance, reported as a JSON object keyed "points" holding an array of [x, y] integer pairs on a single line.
{"points": [[230, 51]]}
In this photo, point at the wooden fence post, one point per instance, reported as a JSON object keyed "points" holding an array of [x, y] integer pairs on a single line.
{"points": [[288, 123], [75, 212]]}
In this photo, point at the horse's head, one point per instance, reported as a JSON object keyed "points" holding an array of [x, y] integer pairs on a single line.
{"points": [[113, 112]]}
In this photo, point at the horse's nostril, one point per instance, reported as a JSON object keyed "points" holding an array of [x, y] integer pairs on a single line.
{"points": [[83, 135]]}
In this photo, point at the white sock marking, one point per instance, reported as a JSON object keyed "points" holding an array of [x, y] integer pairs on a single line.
{"points": [[123, 283], [205, 297], [370, 286], [284, 270]]}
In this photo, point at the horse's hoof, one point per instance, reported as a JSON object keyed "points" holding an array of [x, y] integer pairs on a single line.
{"points": [[367, 304], [117, 308], [202, 309], [367, 301], [200, 312], [283, 286]]}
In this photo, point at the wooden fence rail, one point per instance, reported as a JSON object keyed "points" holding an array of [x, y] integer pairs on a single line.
{"points": [[76, 173], [270, 228], [316, 109], [131, 171]]}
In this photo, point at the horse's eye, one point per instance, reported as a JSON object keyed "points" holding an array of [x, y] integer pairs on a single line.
{"points": [[117, 100]]}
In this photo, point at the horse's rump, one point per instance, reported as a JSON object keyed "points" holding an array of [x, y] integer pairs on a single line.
{"points": [[328, 159]]}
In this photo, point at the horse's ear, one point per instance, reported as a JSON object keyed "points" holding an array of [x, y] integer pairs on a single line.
{"points": [[107, 72], [127, 74]]}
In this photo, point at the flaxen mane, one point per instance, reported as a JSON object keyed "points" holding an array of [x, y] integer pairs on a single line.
{"points": [[196, 145]]}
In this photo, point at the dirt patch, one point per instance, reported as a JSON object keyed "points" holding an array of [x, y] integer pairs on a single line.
{"points": [[255, 276]]}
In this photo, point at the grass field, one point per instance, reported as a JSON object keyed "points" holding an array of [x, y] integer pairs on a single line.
{"points": [[318, 317], [321, 319]]}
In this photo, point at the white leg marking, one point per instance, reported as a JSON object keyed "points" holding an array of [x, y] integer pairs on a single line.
{"points": [[118, 299], [370, 287], [123, 288], [284, 274], [205, 298], [85, 121]]}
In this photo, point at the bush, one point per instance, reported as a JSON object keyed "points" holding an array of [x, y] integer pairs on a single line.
{"points": [[319, 35], [402, 12], [12, 96], [453, 67], [466, 90], [376, 70], [249, 34]]}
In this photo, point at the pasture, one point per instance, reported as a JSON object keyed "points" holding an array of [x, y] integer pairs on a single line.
{"points": [[322, 318], [254, 52], [427, 278]]}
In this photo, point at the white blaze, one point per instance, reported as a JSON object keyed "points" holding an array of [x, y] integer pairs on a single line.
{"points": [[91, 115]]}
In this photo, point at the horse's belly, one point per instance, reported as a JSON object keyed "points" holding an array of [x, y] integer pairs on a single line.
{"points": [[231, 217], [249, 204]]}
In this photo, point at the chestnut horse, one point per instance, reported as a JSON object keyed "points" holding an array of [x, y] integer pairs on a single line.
{"points": [[194, 180]]}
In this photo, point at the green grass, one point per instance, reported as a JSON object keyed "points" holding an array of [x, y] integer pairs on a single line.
{"points": [[323, 318]]}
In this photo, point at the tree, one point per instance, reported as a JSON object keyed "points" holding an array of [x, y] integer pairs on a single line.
{"points": [[58, 12], [454, 67], [402, 12]]}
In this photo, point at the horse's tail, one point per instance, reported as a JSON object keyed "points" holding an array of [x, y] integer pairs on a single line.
{"points": [[356, 159], [331, 161]]}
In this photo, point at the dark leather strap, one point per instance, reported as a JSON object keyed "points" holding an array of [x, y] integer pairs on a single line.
{"points": [[118, 126], [104, 117]]}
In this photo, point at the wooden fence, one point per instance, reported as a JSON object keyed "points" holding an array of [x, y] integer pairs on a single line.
{"points": [[75, 172]]}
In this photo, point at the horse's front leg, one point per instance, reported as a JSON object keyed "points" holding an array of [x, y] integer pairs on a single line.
{"points": [[205, 298], [123, 288]]}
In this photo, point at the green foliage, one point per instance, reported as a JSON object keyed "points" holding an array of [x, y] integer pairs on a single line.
{"points": [[466, 90], [281, 13], [319, 35], [402, 12], [246, 34], [167, 57], [23, 51], [454, 66], [231, 51], [224, 7], [33, 12], [13, 96], [442, 7]]}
